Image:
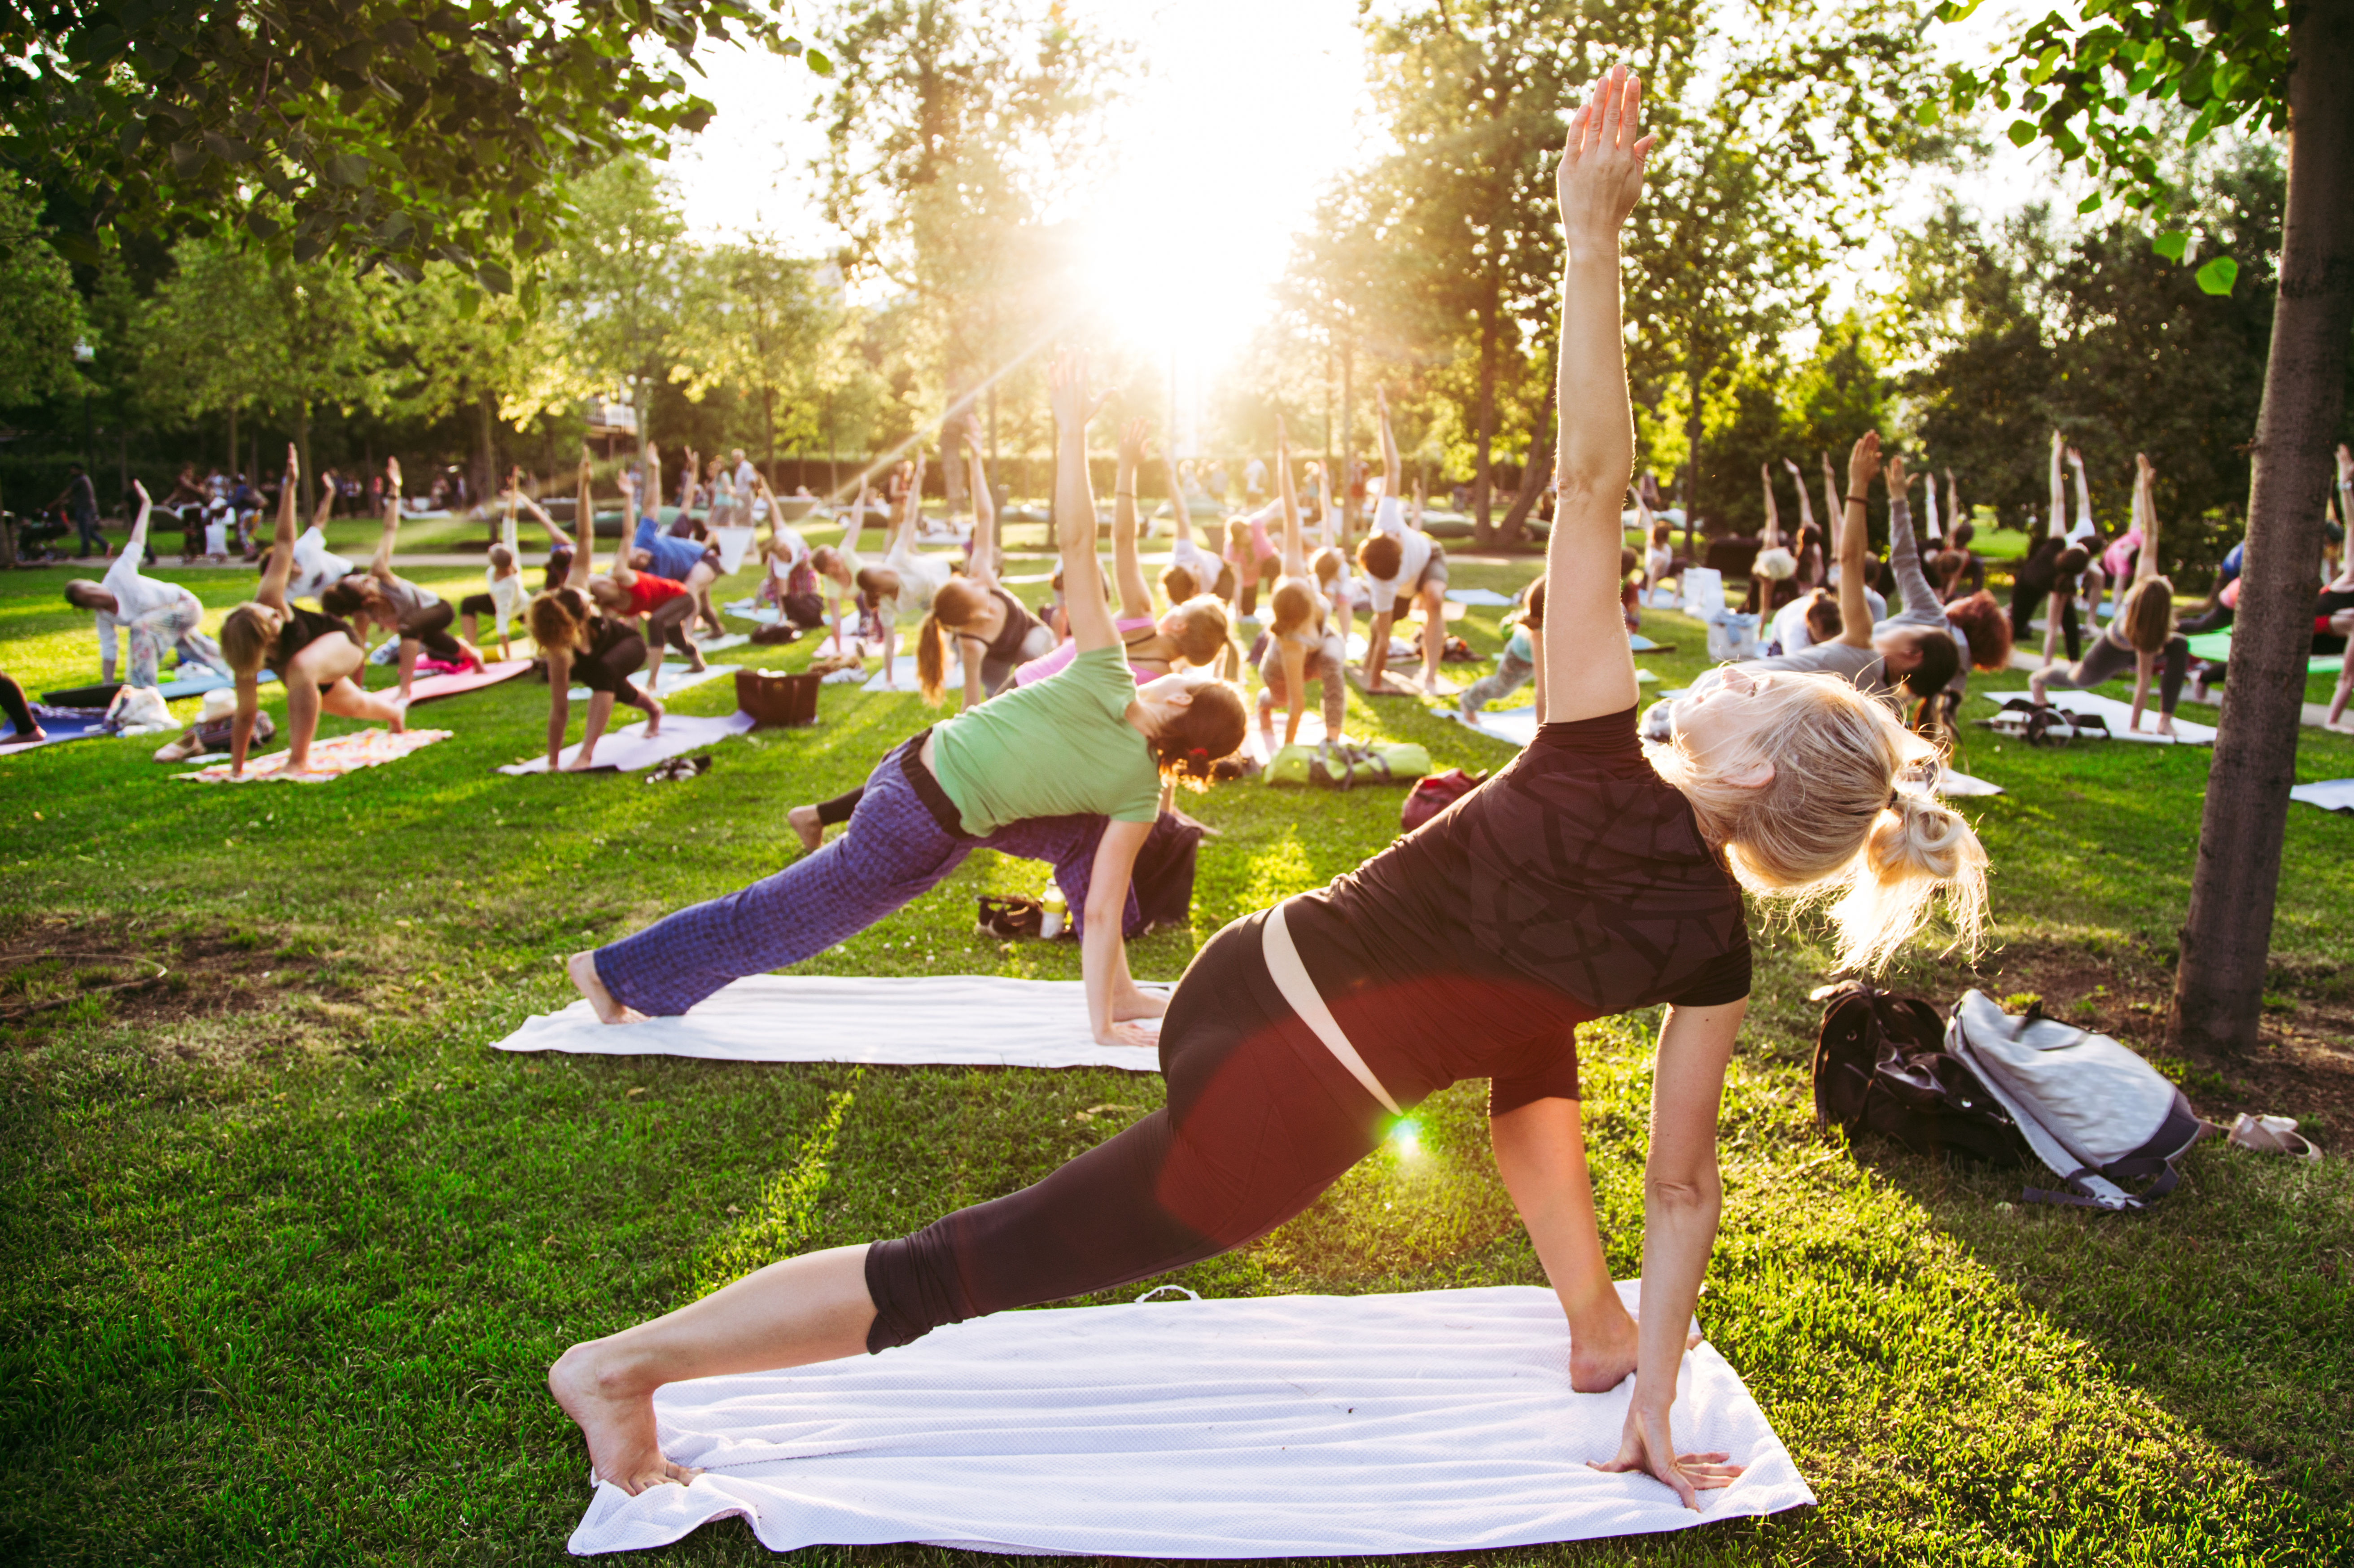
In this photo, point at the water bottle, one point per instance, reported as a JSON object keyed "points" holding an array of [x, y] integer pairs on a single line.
{"points": [[1058, 913]]}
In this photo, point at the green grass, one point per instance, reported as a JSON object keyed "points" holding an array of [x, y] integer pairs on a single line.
{"points": [[287, 1246]]}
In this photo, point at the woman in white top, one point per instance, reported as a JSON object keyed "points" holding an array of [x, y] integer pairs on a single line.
{"points": [[502, 579], [1299, 644], [901, 586], [419, 617], [317, 568], [995, 632], [156, 615], [1192, 570], [1404, 567]]}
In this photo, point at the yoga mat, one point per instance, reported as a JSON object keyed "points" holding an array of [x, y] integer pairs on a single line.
{"points": [[330, 759], [958, 1020], [1514, 726], [58, 723], [433, 686], [2331, 795], [751, 610], [722, 643], [674, 679], [2119, 715], [903, 675], [1488, 598], [732, 543], [1264, 1426], [1950, 782], [1396, 685], [629, 750], [1311, 731], [199, 680], [2218, 645]]}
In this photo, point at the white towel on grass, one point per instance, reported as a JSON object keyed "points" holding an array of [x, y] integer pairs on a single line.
{"points": [[752, 609], [630, 749], [2330, 795], [1488, 598], [903, 676], [674, 678], [1311, 731], [732, 543], [1270, 1426], [2120, 717], [1514, 726], [911, 1021]]}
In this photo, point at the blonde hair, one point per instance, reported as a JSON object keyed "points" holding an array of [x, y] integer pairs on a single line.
{"points": [[1834, 824], [960, 598], [246, 636], [1294, 605], [1202, 635], [2146, 616]]}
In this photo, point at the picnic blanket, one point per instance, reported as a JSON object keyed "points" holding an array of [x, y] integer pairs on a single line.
{"points": [[674, 678], [2330, 795], [630, 749], [432, 686], [1253, 1426], [330, 759], [2217, 645], [2119, 716], [967, 1021]]}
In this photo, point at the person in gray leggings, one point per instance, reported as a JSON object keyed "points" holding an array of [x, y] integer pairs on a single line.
{"points": [[2141, 638]]}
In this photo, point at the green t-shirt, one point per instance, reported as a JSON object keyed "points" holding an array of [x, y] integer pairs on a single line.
{"points": [[1057, 747]]}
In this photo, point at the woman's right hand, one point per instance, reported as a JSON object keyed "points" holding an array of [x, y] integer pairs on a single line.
{"points": [[1863, 463], [1645, 1444], [1067, 395], [1131, 443], [1601, 172]]}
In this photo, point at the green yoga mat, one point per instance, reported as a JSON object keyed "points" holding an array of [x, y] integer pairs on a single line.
{"points": [[2218, 645]]}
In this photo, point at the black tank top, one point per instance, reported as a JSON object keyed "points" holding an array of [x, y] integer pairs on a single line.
{"points": [[605, 634], [1006, 647], [1572, 885], [304, 626]]}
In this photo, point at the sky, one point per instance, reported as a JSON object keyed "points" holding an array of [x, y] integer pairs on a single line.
{"points": [[1246, 110]]}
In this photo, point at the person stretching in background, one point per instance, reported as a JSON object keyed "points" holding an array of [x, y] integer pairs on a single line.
{"points": [[503, 599], [1299, 644], [1252, 561], [1193, 571], [317, 568], [419, 618], [2048, 575], [155, 614], [1404, 567], [1773, 578], [603, 651], [1579, 883], [2141, 635], [1814, 561], [2091, 584], [1972, 577], [1803, 622], [1522, 662], [789, 568], [315, 654], [690, 563], [995, 632], [900, 588]]}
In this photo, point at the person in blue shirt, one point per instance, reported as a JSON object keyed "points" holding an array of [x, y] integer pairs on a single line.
{"points": [[687, 561]]}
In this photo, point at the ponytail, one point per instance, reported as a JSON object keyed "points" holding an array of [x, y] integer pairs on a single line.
{"points": [[931, 658]]}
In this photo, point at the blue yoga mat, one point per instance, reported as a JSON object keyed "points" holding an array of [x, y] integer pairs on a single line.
{"points": [[61, 723], [192, 685]]}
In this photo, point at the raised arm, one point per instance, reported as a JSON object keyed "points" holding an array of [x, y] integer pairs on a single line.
{"points": [[2083, 495], [1953, 502], [1184, 513], [2059, 504], [1074, 508], [280, 567], [138, 540], [1135, 594], [1855, 610], [2146, 503], [1930, 529], [1922, 605], [988, 555], [1832, 508], [1393, 472], [326, 507], [652, 494], [1591, 669], [380, 567], [507, 517], [1295, 554], [1773, 534], [911, 510], [584, 518]]}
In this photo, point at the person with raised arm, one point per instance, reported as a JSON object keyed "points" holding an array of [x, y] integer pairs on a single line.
{"points": [[692, 563], [1814, 564], [503, 598], [2046, 578], [900, 588], [419, 617], [2140, 635], [151, 614], [1577, 883], [1193, 571], [316, 567], [316, 654], [995, 632], [1300, 643], [576, 639], [1404, 568]]}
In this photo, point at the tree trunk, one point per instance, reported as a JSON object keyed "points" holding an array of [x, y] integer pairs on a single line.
{"points": [[769, 428], [232, 443], [1691, 465], [486, 452], [303, 450], [2220, 982], [1344, 484], [1482, 478], [1539, 466]]}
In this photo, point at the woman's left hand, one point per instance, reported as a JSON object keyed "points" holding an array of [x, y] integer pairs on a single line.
{"points": [[1645, 1444], [1132, 1004]]}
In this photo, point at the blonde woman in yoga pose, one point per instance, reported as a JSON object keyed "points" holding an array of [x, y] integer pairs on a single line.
{"points": [[996, 631], [1583, 880], [1300, 643], [420, 618], [576, 638], [317, 655]]}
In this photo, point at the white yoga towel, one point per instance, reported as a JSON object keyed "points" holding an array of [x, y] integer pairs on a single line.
{"points": [[674, 678], [1488, 598], [1950, 782], [1268, 1427], [1311, 731], [751, 609], [630, 749], [2331, 795], [2120, 715], [903, 676], [732, 543], [720, 644], [911, 1021], [1514, 726]]}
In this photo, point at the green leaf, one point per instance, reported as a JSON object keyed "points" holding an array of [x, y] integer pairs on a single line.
{"points": [[2090, 204], [2022, 131], [2217, 276], [1925, 112], [2172, 245], [346, 169], [495, 277], [819, 62], [469, 302]]}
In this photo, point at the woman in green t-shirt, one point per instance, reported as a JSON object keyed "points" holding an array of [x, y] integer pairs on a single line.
{"points": [[1028, 773]]}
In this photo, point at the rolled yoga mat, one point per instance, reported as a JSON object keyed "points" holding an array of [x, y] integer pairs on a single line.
{"points": [[1268, 1427], [905, 1021]]}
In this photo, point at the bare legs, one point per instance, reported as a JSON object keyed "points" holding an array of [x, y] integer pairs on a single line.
{"points": [[790, 1314]]}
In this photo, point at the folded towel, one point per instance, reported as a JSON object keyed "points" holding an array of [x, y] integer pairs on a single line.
{"points": [[1271, 1426], [1488, 598]]}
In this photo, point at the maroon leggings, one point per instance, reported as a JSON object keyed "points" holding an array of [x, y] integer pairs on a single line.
{"points": [[1259, 1120]]}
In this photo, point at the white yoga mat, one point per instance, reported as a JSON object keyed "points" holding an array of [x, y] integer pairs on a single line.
{"points": [[911, 1021], [1514, 726], [749, 609], [721, 643], [732, 543], [1950, 782], [630, 749], [1488, 598], [2331, 795], [2120, 715], [1311, 731], [1269, 1427], [903, 676], [674, 678]]}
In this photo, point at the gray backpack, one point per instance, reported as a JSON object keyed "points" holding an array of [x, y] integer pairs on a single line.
{"points": [[2091, 1109]]}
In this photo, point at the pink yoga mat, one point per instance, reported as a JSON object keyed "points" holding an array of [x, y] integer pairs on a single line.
{"points": [[433, 686]]}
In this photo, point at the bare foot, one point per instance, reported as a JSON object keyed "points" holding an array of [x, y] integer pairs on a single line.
{"points": [[1463, 710], [1602, 1354], [620, 1425], [804, 823], [582, 968], [653, 716], [698, 662], [400, 717]]}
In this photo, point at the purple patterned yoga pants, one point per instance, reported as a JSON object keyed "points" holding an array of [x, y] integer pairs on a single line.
{"points": [[893, 852]]}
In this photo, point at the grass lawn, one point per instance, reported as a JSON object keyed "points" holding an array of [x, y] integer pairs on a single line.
{"points": [[287, 1246]]}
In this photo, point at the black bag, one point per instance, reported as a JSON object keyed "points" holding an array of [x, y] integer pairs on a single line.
{"points": [[1881, 1065], [1163, 877]]}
